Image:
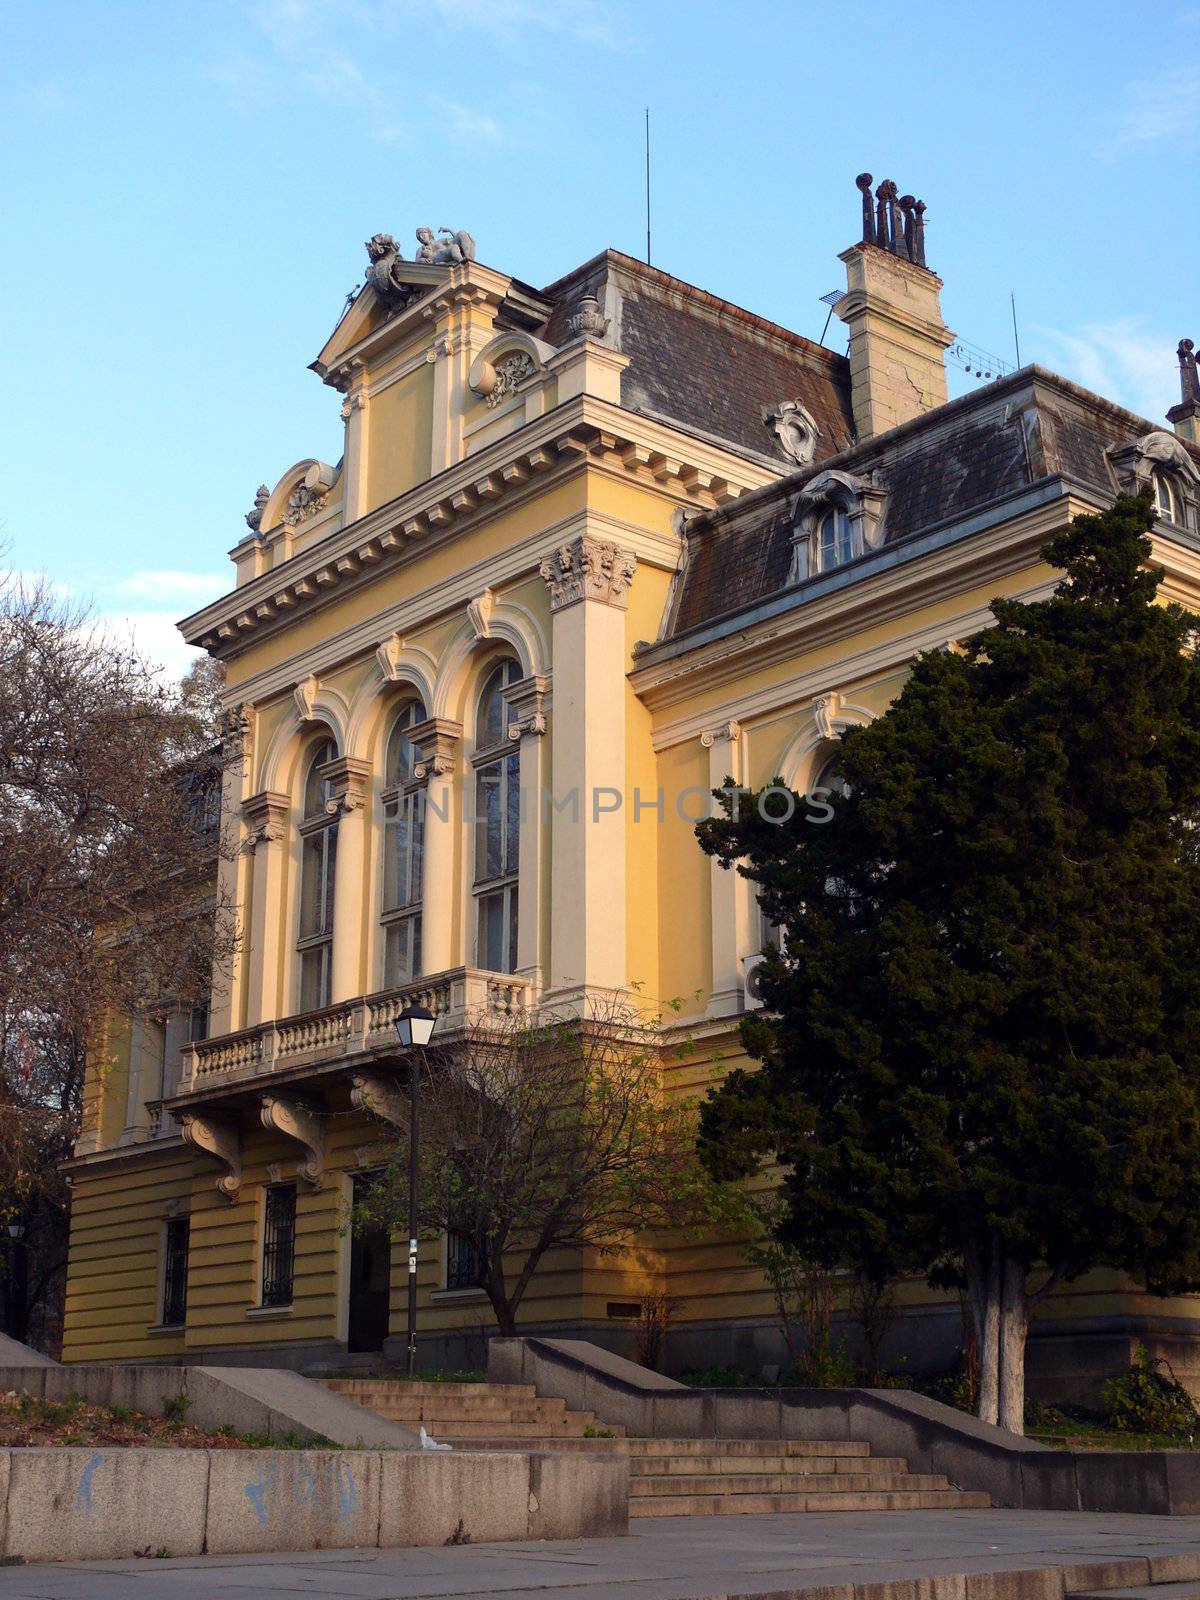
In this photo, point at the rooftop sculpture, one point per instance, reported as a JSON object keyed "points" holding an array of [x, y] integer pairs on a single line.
{"points": [[895, 222]]}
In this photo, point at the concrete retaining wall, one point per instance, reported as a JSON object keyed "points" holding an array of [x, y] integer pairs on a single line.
{"points": [[262, 1400], [931, 1437], [96, 1504]]}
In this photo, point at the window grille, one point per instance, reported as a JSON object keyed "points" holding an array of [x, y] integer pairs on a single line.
{"points": [[175, 1264], [279, 1245], [462, 1262]]}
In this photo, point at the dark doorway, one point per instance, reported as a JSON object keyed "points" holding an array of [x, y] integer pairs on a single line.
{"points": [[370, 1283]]}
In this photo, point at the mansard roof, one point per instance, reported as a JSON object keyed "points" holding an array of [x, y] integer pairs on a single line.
{"points": [[974, 455], [704, 363]]}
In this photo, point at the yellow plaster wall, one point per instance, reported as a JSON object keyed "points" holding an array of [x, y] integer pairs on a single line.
{"points": [[399, 433]]}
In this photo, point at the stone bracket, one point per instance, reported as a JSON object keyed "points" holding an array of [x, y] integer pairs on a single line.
{"points": [[437, 740], [222, 1140], [292, 1120], [380, 1097]]}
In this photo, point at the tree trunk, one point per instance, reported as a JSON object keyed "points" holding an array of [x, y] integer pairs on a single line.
{"points": [[984, 1282], [1014, 1325]]}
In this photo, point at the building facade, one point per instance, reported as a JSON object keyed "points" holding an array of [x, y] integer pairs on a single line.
{"points": [[588, 551]]}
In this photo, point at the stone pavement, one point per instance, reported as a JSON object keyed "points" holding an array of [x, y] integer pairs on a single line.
{"points": [[666, 1559]]}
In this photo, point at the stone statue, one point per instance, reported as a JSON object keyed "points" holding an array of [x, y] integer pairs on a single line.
{"points": [[254, 517], [448, 249], [795, 429], [1189, 380]]}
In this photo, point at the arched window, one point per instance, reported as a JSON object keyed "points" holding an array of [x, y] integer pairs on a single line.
{"points": [[318, 834], [497, 825], [403, 852], [1164, 497], [835, 539]]}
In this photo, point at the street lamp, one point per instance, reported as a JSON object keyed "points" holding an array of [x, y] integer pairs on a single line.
{"points": [[414, 1029]]}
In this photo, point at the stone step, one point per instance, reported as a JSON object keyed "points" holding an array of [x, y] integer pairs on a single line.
{"points": [[353, 1387], [765, 1505], [803, 1467], [400, 1407], [1184, 1590], [517, 1434], [785, 1483], [750, 1447], [559, 1442]]}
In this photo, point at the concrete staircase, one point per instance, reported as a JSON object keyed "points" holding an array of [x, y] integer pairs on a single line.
{"points": [[668, 1477]]}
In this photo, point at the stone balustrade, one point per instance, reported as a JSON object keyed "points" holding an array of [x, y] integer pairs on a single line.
{"points": [[352, 1027]]}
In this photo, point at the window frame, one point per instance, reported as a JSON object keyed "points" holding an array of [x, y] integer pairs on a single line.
{"points": [[497, 887], [843, 545], [1164, 487], [317, 828], [278, 1235], [403, 800], [174, 1280]]}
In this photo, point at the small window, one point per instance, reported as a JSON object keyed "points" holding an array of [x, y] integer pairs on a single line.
{"points": [[1164, 497], [198, 1022], [835, 539], [279, 1244], [175, 1265], [462, 1262]]}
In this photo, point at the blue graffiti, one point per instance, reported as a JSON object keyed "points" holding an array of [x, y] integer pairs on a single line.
{"points": [[256, 1493], [347, 1493], [83, 1495]]}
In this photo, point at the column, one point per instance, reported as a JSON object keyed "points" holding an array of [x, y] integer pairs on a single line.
{"points": [[355, 452], [438, 741], [731, 899], [227, 1007], [265, 816], [527, 722], [349, 777], [137, 1118], [588, 580]]}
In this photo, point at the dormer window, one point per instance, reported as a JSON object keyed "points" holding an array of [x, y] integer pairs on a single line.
{"points": [[839, 517], [835, 539], [1164, 497]]}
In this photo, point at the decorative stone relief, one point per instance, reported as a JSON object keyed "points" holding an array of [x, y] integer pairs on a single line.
{"points": [[378, 1095], [254, 516], [235, 732], [588, 569], [388, 656], [480, 612], [450, 248], [392, 292], [352, 403], [222, 1140], [437, 740], [305, 694], [525, 701], [295, 1121], [826, 708], [264, 816], [511, 372], [795, 429], [302, 503], [587, 322]]}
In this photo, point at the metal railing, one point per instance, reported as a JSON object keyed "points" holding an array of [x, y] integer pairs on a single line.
{"points": [[351, 1027]]}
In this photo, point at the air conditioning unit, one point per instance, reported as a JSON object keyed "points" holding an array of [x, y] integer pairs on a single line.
{"points": [[751, 994]]}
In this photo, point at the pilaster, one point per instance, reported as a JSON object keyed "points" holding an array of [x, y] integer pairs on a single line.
{"points": [[526, 702], [730, 895], [437, 741], [587, 581], [265, 821]]}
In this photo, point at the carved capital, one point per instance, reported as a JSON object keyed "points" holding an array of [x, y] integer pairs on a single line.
{"points": [[588, 569], [292, 1120], [222, 1140], [352, 403], [264, 816], [437, 740], [728, 733], [349, 777], [379, 1096], [235, 730], [525, 700]]}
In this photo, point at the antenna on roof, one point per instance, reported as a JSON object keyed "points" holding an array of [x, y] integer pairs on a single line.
{"points": [[647, 185], [1016, 336], [829, 300]]}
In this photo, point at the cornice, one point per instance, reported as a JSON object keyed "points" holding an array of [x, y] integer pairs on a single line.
{"points": [[580, 433]]}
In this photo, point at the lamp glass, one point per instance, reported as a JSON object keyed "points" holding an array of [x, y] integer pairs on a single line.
{"points": [[415, 1025]]}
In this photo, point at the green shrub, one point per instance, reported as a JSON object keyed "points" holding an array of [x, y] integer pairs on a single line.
{"points": [[1148, 1398], [176, 1407], [717, 1378]]}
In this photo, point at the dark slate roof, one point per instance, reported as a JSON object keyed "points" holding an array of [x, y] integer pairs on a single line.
{"points": [[703, 363], [938, 469]]}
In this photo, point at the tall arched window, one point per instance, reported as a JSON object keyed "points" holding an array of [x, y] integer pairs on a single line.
{"points": [[835, 539], [1164, 497], [497, 825], [318, 834], [403, 852]]}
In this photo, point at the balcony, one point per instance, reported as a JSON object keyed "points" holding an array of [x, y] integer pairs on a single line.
{"points": [[352, 1031]]}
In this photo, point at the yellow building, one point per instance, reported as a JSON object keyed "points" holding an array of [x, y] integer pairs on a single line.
{"points": [[602, 544]]}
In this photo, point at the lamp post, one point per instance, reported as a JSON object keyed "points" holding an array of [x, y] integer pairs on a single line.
{"points": [[414, 1029]]}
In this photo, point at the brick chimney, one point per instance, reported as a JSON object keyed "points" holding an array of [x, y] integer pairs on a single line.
{"points": [[1185, 417], [893, 310]]}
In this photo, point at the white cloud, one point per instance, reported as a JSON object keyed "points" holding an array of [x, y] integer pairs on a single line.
{"points": [[171, 588], [1157, 108], [467, 123], [154, 636], [1120, 360]]}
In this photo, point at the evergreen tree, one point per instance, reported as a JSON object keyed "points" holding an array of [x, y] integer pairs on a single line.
{"points": [[980, 1054]]}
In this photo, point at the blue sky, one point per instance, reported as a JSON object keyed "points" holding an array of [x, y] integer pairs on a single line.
{"points": [[189, 185]]}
